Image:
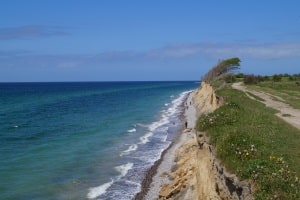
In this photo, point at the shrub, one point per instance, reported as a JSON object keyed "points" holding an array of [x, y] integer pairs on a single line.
{"points": [[277, 78], [229, 78], [239, 75], [250, 79]]}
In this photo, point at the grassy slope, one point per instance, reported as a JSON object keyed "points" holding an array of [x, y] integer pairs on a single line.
{"points": [[254, 144]]}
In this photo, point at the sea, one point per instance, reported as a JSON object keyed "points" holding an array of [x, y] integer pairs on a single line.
{"points": [[85, 140]]}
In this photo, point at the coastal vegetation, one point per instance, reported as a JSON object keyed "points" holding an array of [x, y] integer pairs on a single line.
{"points": [[251, 141], [222, 68]]}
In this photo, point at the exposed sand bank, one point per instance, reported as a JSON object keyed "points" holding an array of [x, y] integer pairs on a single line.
{"points": [[189, 169]]}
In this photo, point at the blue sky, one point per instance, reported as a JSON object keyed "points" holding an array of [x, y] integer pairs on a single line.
{"points": [[108, 40]]}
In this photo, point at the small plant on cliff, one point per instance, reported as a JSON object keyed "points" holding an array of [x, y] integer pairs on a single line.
{"points": [[227, 114]]}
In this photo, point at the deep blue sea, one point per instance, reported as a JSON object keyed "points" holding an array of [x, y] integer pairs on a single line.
{"points": [[86, 140]]}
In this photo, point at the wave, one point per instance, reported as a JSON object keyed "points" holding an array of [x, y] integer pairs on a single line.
{"points": [[176, 103], [142, 125], [164, 139], [145, 138], [165, 118], [131, 130], [100, 190], [151, 155], [123, 169], [131, 148], [163, 129]]}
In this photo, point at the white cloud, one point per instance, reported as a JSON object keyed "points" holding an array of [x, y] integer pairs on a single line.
{"points": [[30, 31], [220, 50], [170, 52]]}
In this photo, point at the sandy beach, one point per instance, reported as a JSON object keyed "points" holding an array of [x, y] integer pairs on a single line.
{"points": [[168, 159]]}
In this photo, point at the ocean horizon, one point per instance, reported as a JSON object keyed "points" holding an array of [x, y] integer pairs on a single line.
{"points": [[85, 140]]}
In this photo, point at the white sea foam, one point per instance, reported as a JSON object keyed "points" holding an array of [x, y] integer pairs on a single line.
{"points": [[163, 129], [145, 138], [123, 169], [164, 120], [131, 148], [164, 138], [142, 125], [99, 190], [149, 157], [131, 130], [133, 183]]}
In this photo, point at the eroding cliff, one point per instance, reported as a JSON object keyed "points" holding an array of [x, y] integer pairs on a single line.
{"points": [[205, 99], [197, 173]]}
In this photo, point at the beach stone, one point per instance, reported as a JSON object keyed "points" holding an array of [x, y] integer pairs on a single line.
{"points": [[164, 174]]}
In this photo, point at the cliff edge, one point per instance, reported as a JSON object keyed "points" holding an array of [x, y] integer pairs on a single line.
{"points": [[205, 99], [197, 173]]}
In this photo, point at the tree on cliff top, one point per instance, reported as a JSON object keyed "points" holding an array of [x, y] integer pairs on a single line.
{"points": [[223, 67]]}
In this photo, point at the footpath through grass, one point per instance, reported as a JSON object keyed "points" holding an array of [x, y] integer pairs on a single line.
{"points": [[287, 90], [255, 144]]}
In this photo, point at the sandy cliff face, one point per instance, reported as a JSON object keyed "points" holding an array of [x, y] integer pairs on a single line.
{"points": [[213, 181], [197, 173], [205, 99]]}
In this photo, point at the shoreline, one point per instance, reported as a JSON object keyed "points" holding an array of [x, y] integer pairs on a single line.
{"points": [[151, 172], [156, 175]]}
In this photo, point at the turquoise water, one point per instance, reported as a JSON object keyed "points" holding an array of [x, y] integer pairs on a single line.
{"points": [[84, 140]]}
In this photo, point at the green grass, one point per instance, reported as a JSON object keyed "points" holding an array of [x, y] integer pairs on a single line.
{"points": [[255, 144], [287, 90]]}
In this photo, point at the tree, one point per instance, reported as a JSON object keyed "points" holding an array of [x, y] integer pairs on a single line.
{"points": [[229, 78], [223, 67], [277, 78], [250, 79], [239, 75]]}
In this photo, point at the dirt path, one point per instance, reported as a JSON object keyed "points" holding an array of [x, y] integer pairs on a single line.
{"points": [[286, 112]]}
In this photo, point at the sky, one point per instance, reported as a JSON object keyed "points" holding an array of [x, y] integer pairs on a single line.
{"points": [[109, 40]]}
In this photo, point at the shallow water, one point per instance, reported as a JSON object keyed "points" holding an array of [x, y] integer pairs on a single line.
{"points": [[84, 140]]}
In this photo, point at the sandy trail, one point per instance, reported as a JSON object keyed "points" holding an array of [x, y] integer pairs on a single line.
{"points": [[283, 108]]}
